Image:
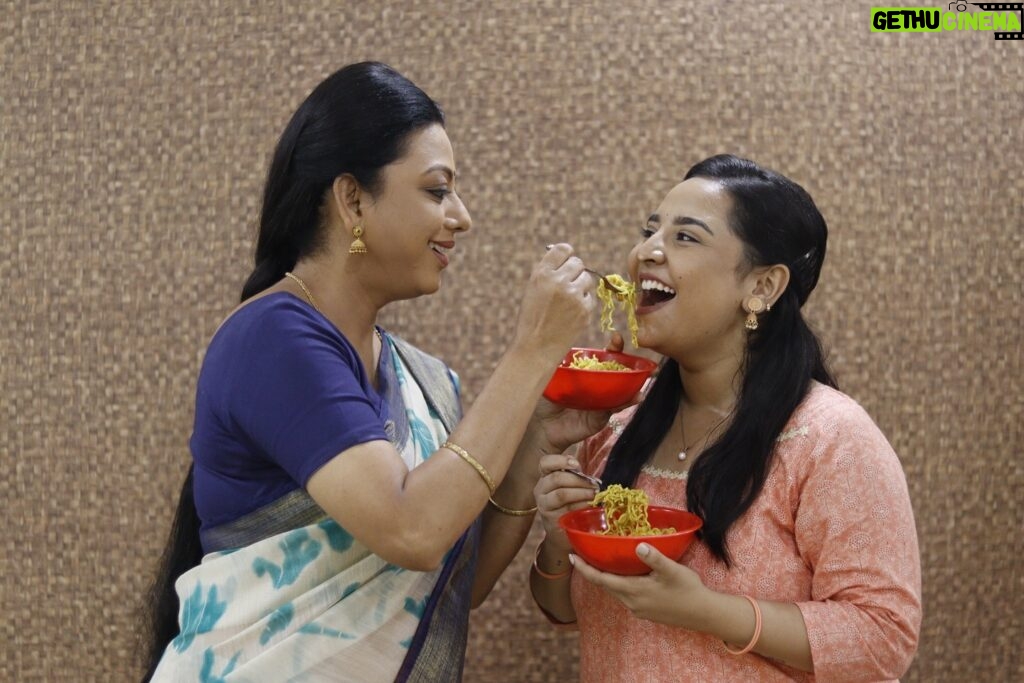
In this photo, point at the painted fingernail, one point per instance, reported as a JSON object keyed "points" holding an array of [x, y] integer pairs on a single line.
{"points": [[572, 559], [643, 550]]}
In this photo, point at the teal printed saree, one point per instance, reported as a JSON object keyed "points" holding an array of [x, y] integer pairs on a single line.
{"points": [[286, 594]]}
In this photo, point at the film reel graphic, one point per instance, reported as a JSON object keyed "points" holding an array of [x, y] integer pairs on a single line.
{"points": [[997, 7]]}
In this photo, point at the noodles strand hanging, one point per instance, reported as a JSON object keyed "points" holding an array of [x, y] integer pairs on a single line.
{"points": [[626, 298]]}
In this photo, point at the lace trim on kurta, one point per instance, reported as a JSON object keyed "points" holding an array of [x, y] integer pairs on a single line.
{"points": [[664, 474], [682, 476], [792, 434]]}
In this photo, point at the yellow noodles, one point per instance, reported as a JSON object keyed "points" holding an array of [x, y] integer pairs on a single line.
{"points": [[582, 362], [627, 298], [625, 512]]}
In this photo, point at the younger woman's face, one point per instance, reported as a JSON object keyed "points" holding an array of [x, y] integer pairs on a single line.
{"points": [[412, 223], [688, 267]]}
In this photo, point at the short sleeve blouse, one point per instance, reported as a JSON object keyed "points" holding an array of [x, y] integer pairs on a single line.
{"points": [[281, 391]]}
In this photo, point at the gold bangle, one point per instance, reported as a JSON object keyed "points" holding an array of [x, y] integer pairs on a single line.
{"points": [[509, 511], [461, 452]]}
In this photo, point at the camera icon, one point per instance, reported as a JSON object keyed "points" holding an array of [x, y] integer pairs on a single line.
{"points": [[960, 6]]}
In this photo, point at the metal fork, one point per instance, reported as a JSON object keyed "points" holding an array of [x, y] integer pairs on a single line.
{"points": [[593, 480], [601, 276], [604, 278]]}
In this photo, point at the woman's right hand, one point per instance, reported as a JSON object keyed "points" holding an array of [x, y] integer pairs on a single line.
{"points": [[557, 305], [558, 492]]}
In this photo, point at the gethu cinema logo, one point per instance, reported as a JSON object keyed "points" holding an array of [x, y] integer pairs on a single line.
{"points": [[999, 17]]}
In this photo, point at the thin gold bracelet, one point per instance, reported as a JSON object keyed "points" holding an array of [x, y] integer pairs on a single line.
{"points": [[509, 511], [461, 452]]}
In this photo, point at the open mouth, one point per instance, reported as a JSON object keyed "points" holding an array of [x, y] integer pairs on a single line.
{"points": [[441, 251], [653, 292], [438, 249]]}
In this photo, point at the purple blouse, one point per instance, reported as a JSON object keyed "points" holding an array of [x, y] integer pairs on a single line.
{"points": [[281, 392]]}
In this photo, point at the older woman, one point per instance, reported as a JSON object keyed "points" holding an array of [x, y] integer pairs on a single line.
{"points": [[337, 499], [807, 565]]}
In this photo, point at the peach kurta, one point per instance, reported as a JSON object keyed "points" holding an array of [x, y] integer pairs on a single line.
{"points": [[832, 531]]}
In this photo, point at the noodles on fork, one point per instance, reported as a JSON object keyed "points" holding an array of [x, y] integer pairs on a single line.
{"points": [[626, 298], [625, 512]]}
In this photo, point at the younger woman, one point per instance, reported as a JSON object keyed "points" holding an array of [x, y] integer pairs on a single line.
{"points": [[807, 565]]}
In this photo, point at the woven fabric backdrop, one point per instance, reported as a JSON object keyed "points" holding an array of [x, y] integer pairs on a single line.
{"points": [[134, 139]]}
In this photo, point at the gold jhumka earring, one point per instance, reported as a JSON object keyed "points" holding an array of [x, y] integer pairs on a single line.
{"points": [[357, 246], [752, 305]]}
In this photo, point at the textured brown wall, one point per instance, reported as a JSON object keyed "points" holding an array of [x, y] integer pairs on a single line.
{"points": [[134, 138]]}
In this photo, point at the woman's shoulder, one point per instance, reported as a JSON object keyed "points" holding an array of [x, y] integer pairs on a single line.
{"points": [[272, 330], [830, 425], [618, 421], [595, 449], [269, 314], [274, 323], [825, 406]]}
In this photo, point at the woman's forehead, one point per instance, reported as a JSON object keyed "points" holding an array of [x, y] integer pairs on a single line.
{"points": [[699, 198], [428, 149]]}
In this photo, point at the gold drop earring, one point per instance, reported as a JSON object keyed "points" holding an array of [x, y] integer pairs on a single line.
{"points": [[357, 246], [752, 305]]}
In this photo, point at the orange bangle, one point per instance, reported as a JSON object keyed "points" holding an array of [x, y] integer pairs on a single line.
{"points": [[757, 630], [546, 575]]}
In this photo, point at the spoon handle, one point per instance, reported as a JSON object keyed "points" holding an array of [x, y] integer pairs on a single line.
{"points": [[593, 480]]}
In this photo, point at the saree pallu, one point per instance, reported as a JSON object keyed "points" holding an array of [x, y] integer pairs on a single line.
{"points": [[286, 594]]}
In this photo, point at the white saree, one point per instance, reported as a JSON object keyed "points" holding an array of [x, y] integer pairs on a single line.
{"points": [[311, 603]]}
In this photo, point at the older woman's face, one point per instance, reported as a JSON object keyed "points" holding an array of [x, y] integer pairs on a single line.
{"points": [[688, 270], [411, 227]]}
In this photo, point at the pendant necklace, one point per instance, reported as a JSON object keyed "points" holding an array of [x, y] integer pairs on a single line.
{"points": [[682, 430]]}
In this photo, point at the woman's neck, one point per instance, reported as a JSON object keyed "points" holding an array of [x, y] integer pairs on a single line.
{"points": [[349, 308], [712, 386]]}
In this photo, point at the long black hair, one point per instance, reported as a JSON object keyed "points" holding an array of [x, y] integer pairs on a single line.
{"points": [[356, 121], [778, 223]]}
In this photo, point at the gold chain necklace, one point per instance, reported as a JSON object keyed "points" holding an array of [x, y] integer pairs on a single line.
{"points": [[312, 301], [305, 290]]}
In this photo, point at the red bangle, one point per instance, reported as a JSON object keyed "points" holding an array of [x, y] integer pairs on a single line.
{"points": [[545, 574], [757, 630]]}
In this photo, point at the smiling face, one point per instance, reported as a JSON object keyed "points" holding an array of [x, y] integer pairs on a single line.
{"points": [[689, 266], [411, 223]]}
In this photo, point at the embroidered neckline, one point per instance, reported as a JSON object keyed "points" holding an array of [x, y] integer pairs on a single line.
{"points": [[682, 476], [792, 434], [664, 474]]}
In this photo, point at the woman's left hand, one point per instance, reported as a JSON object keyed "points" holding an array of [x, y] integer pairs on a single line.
{"points": [[562, 427], [671, 594]]}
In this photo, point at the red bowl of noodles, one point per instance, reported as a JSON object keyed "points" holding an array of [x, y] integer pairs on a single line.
{"points": [[617, 554], [594, 389]]}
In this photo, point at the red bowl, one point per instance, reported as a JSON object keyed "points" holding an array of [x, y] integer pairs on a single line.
{"points": [[597, 389], [617, 554]]}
